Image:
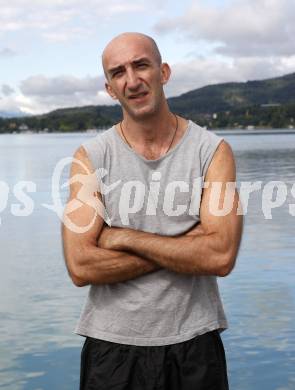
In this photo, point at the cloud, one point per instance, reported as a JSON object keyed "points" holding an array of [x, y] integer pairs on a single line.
{"points": [[42, 86], [7, 90], [57, 20], [6, 53], [10, 104], [238, 28], [39, 94], [200, 72], [65, 34]]}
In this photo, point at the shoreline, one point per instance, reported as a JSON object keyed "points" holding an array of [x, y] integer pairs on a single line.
{"points": [[258, 131], [253, 131]]}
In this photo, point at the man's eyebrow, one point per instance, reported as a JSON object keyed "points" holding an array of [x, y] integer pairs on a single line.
{"points": [[112, 70], [119, 67], [142, 59]]}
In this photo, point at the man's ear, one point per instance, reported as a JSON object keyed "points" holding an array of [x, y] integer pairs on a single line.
{"points": [[110, 91], [165, 73]]}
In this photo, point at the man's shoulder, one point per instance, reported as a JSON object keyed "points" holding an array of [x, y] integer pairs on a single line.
{"points": [[100, 139], [102, 134], [202, 133], [95, 147]]}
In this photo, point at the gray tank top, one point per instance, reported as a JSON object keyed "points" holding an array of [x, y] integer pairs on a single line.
{"points": [[160, 196]]}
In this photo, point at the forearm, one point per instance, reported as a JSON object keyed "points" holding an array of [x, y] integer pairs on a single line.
{"points": [[104, 266], [200, 254]]}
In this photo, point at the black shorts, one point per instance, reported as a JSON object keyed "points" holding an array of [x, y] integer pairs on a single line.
{"points": [[196, 364]]}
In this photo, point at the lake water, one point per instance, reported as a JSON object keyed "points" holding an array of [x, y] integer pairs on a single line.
{"points": [[39, 306]]}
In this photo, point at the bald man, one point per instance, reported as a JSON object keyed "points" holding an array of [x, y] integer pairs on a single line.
{"points": [[153, 316]]}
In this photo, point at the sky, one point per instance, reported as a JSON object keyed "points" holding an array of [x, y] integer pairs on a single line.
{"points": [[50, 50]]}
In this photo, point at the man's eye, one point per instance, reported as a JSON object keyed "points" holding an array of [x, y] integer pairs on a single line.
{"points": [[141, 65], [118, 72]]}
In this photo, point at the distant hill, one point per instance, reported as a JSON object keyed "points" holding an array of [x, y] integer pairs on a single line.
{"points": [[229, 96], [266, 103]]}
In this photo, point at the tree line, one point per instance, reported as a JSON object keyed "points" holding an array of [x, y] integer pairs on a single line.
{"points": [[71, 120]]}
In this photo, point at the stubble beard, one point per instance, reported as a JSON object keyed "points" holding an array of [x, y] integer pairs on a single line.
{"points": [[142, 112]]}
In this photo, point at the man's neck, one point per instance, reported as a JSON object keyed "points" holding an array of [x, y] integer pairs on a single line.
{"points": [[151, 130], [153, 137]]}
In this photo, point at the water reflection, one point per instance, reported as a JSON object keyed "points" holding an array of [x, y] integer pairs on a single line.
{"points": [[52, 368], [39, 306]]}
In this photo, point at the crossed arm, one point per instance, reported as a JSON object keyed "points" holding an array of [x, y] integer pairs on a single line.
{"points": [[110, 255], [86, 262]]}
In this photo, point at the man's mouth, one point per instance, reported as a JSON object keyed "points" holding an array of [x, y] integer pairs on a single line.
{"points": [[138, 95]]}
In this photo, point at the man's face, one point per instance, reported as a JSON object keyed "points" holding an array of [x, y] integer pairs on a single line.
{"points": [[135, 77]]}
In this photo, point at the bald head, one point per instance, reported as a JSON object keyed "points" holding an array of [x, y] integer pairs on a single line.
{"points": [[130, 38]]}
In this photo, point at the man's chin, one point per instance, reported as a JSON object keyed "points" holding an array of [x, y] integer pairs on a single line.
{"points": [[141, 113]]}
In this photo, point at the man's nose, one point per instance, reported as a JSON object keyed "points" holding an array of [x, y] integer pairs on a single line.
{"points": [[132, 79]]}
